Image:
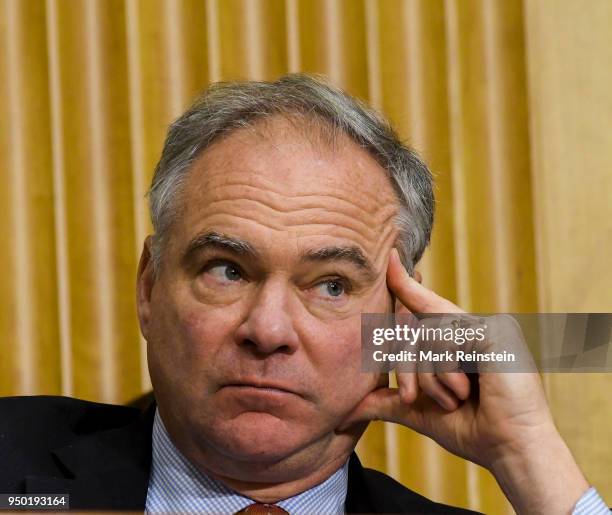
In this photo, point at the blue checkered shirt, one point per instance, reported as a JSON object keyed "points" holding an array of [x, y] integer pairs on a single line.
{"points": [[176, 486]]}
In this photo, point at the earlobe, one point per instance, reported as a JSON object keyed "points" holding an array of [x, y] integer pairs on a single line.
{"points": [[144, 286]]}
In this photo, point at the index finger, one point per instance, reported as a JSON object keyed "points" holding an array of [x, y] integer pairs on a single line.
{"points": [[413, 295]]}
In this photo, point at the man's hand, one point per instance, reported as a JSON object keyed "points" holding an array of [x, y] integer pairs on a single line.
{"points": [[503, 424]]}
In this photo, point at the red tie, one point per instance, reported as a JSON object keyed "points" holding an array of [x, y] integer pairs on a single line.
{"points": [[262, 509]]}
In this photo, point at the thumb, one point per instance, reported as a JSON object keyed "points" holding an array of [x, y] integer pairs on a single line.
{"points": [[381, 404]]}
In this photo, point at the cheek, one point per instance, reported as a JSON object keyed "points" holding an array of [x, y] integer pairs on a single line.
{"points": [[187, 336], [338, 365], [338, 354], [203, 331]]}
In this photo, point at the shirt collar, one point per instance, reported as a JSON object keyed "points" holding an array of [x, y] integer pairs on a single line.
{"points": [[176, 486]]}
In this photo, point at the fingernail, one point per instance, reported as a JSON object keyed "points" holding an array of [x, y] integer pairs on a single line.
{"points": [[393, 254]]}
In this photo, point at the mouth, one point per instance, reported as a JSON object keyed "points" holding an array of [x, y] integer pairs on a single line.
{"points": [[261, 386]]}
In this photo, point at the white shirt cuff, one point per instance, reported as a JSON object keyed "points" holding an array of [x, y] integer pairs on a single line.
{"points": [[591, 503]]}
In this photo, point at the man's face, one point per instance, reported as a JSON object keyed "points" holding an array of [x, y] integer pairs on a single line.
{"points": [[253, 322]]}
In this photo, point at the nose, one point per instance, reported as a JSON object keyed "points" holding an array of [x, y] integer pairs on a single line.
{"points": [[268, 326]]}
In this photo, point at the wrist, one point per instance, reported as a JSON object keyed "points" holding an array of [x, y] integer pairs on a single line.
{"points": [[540, 475]]}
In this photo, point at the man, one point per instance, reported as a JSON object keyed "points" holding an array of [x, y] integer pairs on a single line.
{"points": [[282, 212]]}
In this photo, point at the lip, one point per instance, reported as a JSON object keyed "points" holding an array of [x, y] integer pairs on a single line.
{"points": [[263, 386]]}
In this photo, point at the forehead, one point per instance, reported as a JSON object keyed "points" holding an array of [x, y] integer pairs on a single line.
{"points": [[279, 177], [295, 153]]}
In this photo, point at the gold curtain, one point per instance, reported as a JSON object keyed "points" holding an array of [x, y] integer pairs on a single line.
{"points": [[508, 101]]}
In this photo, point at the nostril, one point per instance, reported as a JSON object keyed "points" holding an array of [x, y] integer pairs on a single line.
{"points": [[264, 348]]}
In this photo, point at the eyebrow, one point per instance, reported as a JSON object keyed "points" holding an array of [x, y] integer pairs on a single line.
{"points": [[349, 254], [220, 241]]}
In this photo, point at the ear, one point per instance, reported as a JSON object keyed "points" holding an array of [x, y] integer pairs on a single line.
{"points": [[144, 287], [417, 277]]}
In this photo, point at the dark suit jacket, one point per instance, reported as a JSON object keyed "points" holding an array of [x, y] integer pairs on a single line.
{"points": [[100, 454]]}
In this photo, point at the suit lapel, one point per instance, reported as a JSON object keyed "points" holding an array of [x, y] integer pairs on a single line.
{"points": [[357, 494], [104, 470]]}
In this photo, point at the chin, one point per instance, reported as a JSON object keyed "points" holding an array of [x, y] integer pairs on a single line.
{"points": [[258, 437]]}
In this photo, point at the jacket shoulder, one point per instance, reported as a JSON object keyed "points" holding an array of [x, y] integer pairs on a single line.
{"points": [[370, 491], [402, 498], [53, 415], [31, 427]]}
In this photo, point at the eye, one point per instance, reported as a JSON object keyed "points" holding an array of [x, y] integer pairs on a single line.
{"points": [[224, 272], [333, 288]]}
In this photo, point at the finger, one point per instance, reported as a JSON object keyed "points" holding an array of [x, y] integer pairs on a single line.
{"points": [[424, 415], [400, 309], [430, 384], [408, 386], [457, 382], [381, 404], [411, 294]]}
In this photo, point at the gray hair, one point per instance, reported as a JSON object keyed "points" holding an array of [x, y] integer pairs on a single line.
{"points": [[227, 106]]}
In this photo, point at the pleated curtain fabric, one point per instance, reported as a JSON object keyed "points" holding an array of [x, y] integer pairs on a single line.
{"points": [[508, 101]]}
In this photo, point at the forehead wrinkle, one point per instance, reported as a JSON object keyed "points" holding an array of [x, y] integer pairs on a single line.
{"points": [[387, 238], [235, 224], [291, 217], [349, 160], [366, 230], [283, 202], [370, 216], [338, 193]]}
